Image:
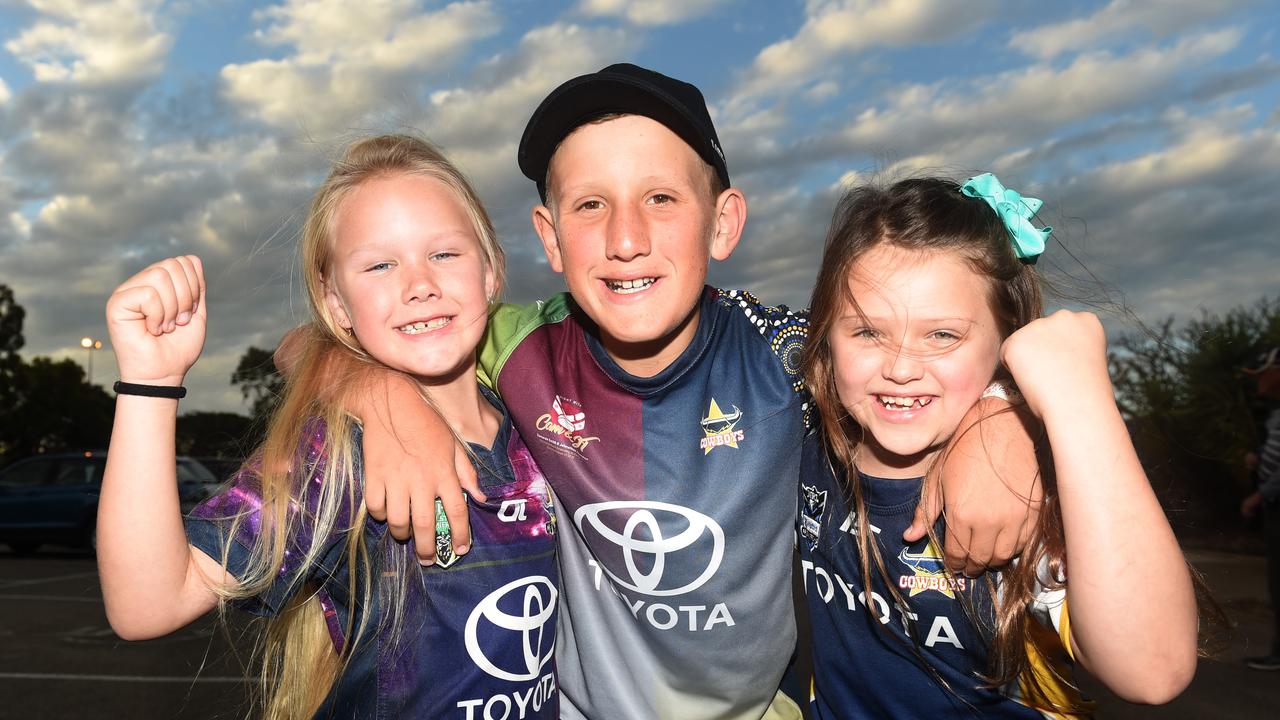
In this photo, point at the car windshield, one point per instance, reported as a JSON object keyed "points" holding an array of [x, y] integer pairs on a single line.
{"points": [[192, 471]]}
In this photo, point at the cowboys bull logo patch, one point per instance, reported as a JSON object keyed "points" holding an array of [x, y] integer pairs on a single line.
{"points": [[720, 429], [928, 572]]}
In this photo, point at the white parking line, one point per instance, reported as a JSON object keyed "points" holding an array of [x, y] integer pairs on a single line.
{"points": [[121, 678], [53, 598], [6, 584]]}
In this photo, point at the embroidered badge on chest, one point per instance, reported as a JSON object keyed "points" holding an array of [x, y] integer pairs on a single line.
{"points": [[565, 426], [815, 504], [444, 538], [928, 572], [720, 429]]}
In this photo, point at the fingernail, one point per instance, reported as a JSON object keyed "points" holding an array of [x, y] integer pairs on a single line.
{"points": [[428, 562], [183, 318], [461, 549]]}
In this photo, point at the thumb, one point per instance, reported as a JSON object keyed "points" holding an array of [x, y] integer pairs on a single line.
{"points": [[927, 511]]}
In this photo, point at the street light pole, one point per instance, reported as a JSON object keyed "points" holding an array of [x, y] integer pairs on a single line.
{"points": [[89, 344]]}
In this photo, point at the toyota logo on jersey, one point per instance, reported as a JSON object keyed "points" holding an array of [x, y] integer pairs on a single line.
{"points": [[665, 549], [524, 607]]}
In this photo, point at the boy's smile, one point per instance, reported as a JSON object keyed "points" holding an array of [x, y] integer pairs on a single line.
{"points": [[632, 226]]}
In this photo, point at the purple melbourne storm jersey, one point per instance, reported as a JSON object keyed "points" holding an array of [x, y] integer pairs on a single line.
{"points": [[864, 664], [477, 636], [676, 496]]}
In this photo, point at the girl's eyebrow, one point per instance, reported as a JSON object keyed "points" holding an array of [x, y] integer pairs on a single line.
{"points": [[377, 247], [859, 318]]}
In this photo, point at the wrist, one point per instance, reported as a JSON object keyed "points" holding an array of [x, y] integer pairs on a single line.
{"points": [[143, 378], [148, 390]]}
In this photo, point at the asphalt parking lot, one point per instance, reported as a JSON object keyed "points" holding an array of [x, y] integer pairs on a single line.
{"points": [[59, 659]]}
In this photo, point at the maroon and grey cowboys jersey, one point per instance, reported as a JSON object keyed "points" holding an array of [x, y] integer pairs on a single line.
{"points": [[676, 496]]}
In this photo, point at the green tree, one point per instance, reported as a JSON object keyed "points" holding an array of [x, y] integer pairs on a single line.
{"points": [[11, 317], [259, 381], [1193, 415], [55, 409], [215, 434]]}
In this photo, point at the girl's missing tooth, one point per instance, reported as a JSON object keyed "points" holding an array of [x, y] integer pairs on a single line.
{"points": [[928, 299]]}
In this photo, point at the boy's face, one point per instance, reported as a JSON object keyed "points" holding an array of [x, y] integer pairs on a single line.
{"points": [[633, 228]]}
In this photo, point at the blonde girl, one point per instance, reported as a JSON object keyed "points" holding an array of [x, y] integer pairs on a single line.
{"points": [[400, 263], [926, 297]]}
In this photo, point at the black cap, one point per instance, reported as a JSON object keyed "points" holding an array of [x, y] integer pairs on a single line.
{"points": [[1264, 362], [621, 88]]}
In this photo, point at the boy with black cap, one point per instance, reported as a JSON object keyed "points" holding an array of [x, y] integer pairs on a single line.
{"points": [[667, 415], [1266, 371]]}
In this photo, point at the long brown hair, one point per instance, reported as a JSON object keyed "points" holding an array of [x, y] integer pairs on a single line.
{"points": [[932, 215], [299, 661]]}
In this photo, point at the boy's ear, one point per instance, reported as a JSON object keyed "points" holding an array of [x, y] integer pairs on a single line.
{"points": [[336, 307], [544, 224], [490, 283], [731, 217]]}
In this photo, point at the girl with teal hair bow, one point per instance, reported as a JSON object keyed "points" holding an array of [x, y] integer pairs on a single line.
{"points": [[926, 302]]}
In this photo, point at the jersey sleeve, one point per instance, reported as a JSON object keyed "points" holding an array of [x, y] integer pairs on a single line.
{"points": [[1046, 684], [1049, 606], [509, 324], [231, 522], [786, 331]]}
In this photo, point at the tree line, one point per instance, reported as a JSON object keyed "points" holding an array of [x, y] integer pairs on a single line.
{"points": [[1194, 415], [50, 406]]}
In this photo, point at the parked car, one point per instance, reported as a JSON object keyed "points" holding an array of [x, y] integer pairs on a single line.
{"points": [[54, 498], [222, 468]]}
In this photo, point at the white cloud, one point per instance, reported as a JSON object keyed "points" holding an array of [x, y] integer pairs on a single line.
{"points": [[650, 12], [1158, 17], [971, 122], [350, 60], [5, 94], [494, 114], [836, 30], [92, 42]]}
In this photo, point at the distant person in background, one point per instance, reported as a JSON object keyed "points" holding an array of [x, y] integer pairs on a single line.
{"points": [[1267, 373]]}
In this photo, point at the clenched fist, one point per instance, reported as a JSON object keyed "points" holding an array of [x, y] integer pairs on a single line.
{"points": [[157, 321]]}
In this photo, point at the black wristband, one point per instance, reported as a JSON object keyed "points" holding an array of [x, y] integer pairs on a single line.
{"points": [[176, 392]]}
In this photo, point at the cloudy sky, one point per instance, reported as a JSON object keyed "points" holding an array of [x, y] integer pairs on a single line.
{"points": [[134, 129]]}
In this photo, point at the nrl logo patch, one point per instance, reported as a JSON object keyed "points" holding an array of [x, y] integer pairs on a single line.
{"points": [[815, 504], [444, 538]]}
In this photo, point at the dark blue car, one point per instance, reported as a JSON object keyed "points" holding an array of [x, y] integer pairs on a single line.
{"points": [[54, 498]]}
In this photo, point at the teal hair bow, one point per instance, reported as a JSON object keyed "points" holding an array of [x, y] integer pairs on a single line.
{"points": [[1015, 212]]}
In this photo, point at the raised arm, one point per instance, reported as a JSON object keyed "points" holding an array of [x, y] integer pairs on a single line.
{"points": [[153, 582], [1131, 601]]}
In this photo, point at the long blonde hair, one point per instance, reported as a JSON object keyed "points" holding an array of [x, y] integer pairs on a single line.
{"points": [[300, 663]]}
